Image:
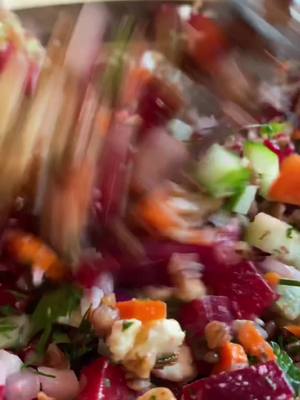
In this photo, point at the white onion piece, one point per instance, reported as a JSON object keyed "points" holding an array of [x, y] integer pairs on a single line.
{"points": [[63, 385], [271, 265], [105, 282], [9, 364], [91, 300], [23, 385]]}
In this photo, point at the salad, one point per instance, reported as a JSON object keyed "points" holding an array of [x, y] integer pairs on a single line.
{"points": [[156, 271]]}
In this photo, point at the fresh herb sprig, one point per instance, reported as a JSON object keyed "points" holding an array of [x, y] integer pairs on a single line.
{"points": [[285, 362], [60, 302], [289, 282]]}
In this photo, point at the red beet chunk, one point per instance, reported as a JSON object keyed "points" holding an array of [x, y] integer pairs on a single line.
{"points": [[104, 381], [265, 381], [152, 269], [243, 285], [159, 103], [197, 314]]}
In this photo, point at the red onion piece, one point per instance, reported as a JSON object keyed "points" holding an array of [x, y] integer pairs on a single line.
{"points": [[271, 265], [9, 364], [23, 385], [63, 385]]}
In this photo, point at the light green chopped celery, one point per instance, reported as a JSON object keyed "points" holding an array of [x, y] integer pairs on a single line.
{"points": [[14, 331], [241, 203], [289, 301], [273, 129], [276, 237], [264, 163], [221, 172]]}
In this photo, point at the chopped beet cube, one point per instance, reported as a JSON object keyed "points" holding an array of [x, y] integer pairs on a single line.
{"points": [[197, 314], [243, 285], [262, 382], [102, 380]]}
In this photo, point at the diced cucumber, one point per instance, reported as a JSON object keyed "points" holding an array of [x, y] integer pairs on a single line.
{"points": [[241, 203], [222, 172], [289, 301], [273, 129], [276, 237], [264, 163], [14, 331]]}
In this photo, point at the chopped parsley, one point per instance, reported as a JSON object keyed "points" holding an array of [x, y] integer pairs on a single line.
{"points": [[285, 362], [289, 232], [273, 129], [265, 234], [60, 338], [289, 282], [60, 302], [7, 310], [166, 359], [6, 327], [36, 371], [126, 325]]}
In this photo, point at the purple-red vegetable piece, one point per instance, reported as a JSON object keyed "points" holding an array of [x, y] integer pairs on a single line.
{"points": [[103, 381], [262, 382]]}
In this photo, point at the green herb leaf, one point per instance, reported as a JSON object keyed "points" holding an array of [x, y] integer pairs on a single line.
{"points": [[7, 327], [289, 233], [58, 303], [7, 310], [18, 295], [289, 282], [60, 338], [273, 129], [126, 325], [166, 360], [37, 372], [286, 364]]}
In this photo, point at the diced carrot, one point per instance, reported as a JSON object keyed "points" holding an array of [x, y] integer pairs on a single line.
{"points": [[154, 212], [294, 329], [232, 356], [286, 188], [143, 310], [272, 278], [28, 249], [254, 343]]}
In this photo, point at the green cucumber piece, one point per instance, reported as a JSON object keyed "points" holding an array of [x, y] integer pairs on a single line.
{"points": [[289, 302], [276, 237], [273, 129], [264, 163], [14, 331], [241, 203], [222, 172]]}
